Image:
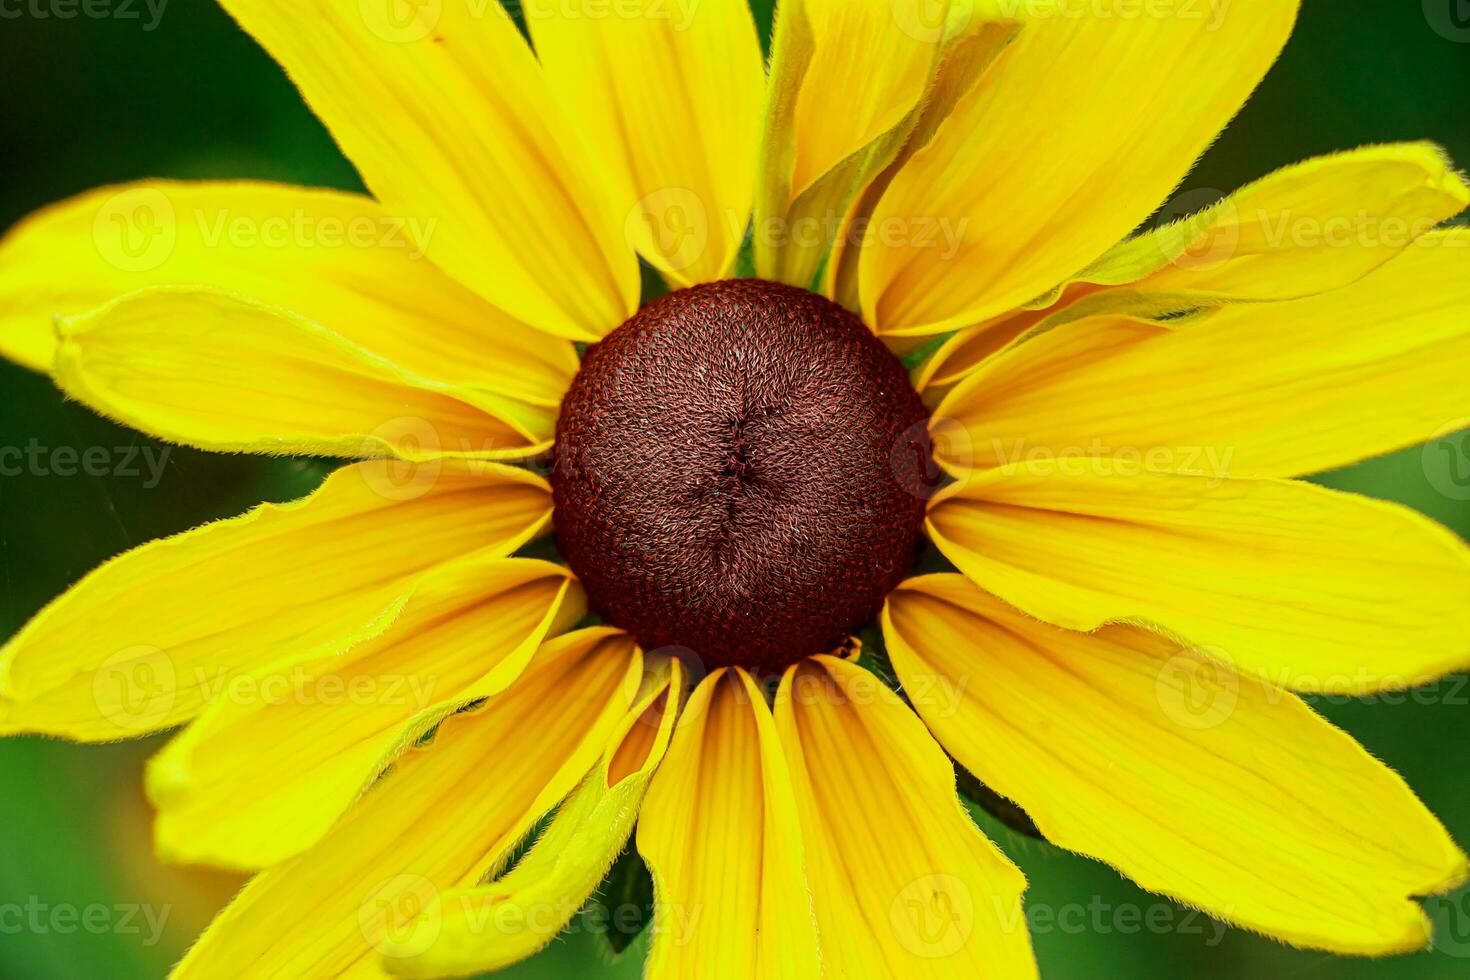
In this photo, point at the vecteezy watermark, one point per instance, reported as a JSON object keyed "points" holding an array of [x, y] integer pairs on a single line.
{"points": [[1221, 227], [410, 21], [1446, 461], [1450, 19], [1099, 917], [679, 14], [38, 917], [933, 917], [404, 915], [673, 223], [1450, 915], [126, 462], [940, 234], [1100, 457], [678, 225], [937, 694], [146, 12], [139, 229], [1210, 14], [1197, 689], [302, 687], [137, 688]]}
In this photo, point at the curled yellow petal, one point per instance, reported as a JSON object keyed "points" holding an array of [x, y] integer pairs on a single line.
{"points": [[1306, 229], [1269, 389], [918, 57], [1307, 588], [446, 816], [340, 260], [139, 644], [220, 372], [1195, 781], [280, 754], [720, 833], [476, 930]]}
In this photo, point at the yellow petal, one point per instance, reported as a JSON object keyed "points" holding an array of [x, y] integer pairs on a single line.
{"points": [[981, 31], [719, 831], [445, 817], [281, 753], [1039, 170], [449, 119], [1275, 389], [1307, 588], [668, 99], [476, 930], [905, 886], [139, 644], [1306, 229], [1213, 788], [1319, 225], [338, 259], [965, 351], [913, 59], [217, 371]]}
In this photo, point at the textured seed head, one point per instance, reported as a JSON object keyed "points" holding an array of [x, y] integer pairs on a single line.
{"points": [[739, 473]]}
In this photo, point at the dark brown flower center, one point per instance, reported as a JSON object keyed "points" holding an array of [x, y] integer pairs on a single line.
{"points": [[739, 472]]}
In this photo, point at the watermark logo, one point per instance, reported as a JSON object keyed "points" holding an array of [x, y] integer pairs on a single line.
{"points": [[401, 21], [1450, 19], [934, 916], [1446, 462], [1450, 915], [932, 21], [123, 462], [148, 12], [674, 223], [1217, 232], [912, 461], [1196, 690], [398, 479], [135, 688], [136, 230], [402, 916], [679, 14], [40, 918]]}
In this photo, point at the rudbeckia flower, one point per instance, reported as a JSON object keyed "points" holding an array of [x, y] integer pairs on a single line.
{"points": [[899, 323]]}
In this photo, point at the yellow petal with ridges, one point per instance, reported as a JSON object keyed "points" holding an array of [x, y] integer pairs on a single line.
{"points": [[1208, 786], [338, 259], [281, 754], [451, 123], [1319, 225], [217, 371], [445, 817], [1041, 173], [477, 930], [1306, 229], [1272, 389], [720, 834], [139, 644], [905, 886], [917, 57], [1307, 588], [668, 99], [988, 27]]}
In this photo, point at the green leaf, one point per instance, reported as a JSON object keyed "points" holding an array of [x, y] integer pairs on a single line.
{"points": [[623, 907]]}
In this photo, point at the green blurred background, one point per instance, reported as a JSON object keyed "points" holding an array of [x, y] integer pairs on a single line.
{"points": [[182, 93]]}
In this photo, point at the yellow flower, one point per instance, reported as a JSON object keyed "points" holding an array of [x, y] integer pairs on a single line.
{"points": [[383, 701]]}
